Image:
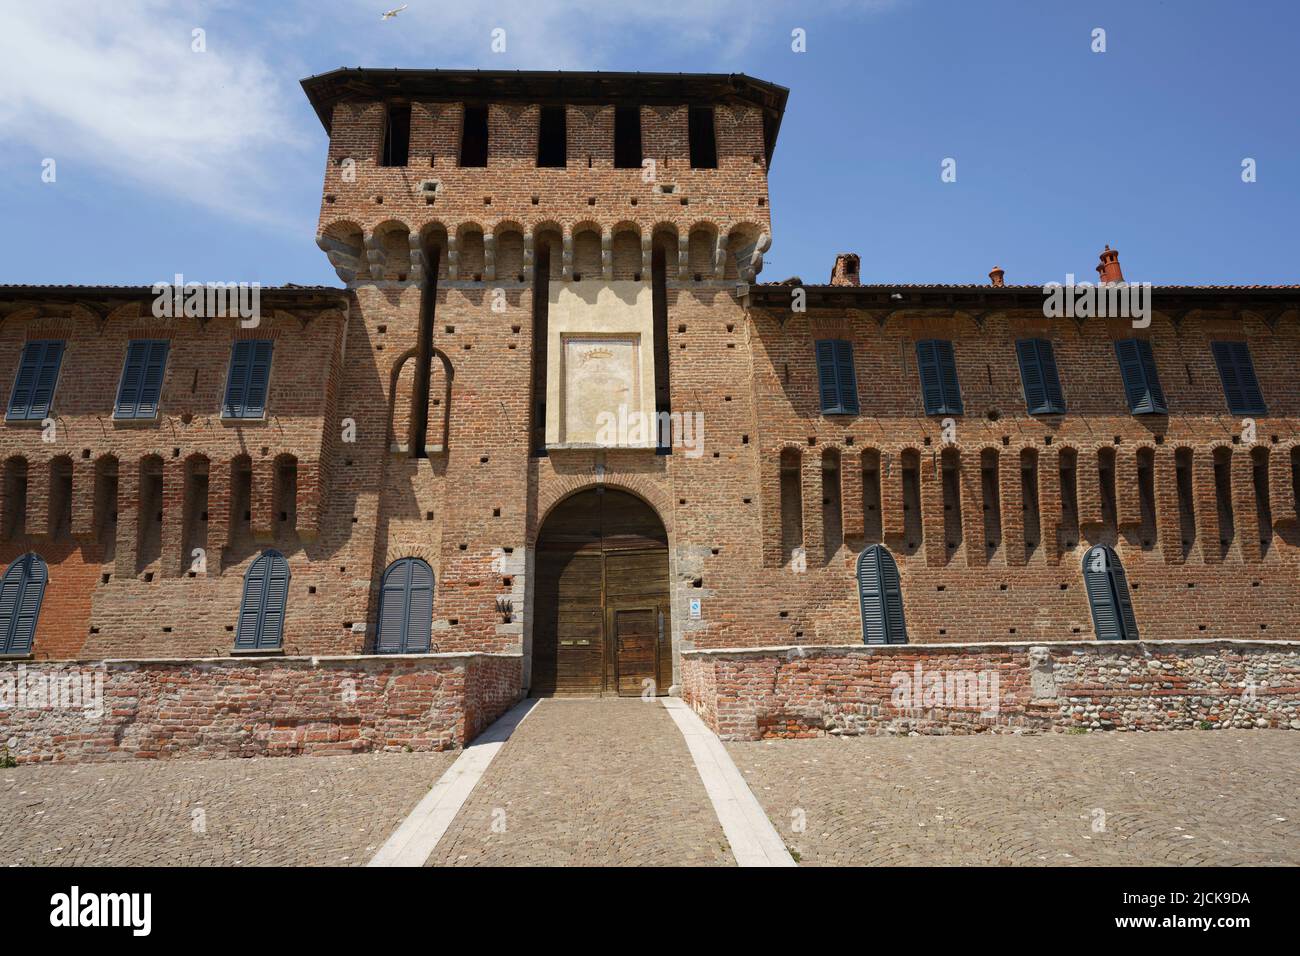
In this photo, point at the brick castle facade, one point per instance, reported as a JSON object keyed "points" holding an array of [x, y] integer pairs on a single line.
{"points": [[425, 460]]}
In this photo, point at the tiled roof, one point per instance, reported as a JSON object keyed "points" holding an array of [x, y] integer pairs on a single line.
{"points": [[1020, 287], [148, 289]]}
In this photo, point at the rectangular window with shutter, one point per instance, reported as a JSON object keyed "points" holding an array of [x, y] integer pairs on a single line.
{"points": [[38, 375], [250, 371], [1237, 372], [836, 378], [142, 376], [1141, 384], [1043, 395], [938, 368]]}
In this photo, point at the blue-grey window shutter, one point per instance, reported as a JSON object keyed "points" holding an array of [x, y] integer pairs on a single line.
{"points": [[1137, 366], [237, 380], [419, 613], [948, 376], [405, 608], [21, 591], [258, 378], [250, 371], [829, 390], [1119, 581], [927, 364], [939, 386], [1237, 372], [880, 596], [1108, 595], [38, 374], [250, 607], [837, 381], [846, 376], [142, 376], [1038, 375], [261, 613]]}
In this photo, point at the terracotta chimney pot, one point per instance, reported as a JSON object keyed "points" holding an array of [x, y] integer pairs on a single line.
{"points": [[996, 276], [1108, 269]]}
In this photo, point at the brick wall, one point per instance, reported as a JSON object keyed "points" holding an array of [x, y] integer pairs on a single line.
{"points": [[971, 564], [242, 707], [995, 688], [143, 495], [475, 506]]}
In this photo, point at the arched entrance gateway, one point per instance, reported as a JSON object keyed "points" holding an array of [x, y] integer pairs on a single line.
{"points": [[601, 618]]}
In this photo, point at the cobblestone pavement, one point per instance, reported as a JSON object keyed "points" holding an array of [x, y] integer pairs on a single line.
{"points": [[1172, 798], [274, 811], [604, 782]]}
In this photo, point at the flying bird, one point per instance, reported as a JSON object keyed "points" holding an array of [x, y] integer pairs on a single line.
{"points": [[392, 13]]}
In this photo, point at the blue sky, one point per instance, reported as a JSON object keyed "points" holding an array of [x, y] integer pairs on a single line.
{"points": [[210, 163]]}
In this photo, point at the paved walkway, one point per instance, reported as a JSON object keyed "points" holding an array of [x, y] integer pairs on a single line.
{"points": [[613, 782], [604, 782], [295, 811], [1181, 798]]}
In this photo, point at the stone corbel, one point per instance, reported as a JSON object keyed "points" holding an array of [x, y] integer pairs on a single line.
{"points": [[417, 260], [344, 259], [528, 255], [756, 263], [683, 257], [720, 257], [453, 256], [607, 255], [647, 256], [566, 258], [749, 270], [375, 256], [489, 256]]}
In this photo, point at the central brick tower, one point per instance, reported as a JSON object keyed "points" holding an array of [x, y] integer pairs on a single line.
{"points": [[535, 258]]}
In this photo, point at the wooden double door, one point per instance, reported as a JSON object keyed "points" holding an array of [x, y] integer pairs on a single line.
{"points": [[602, 620]]}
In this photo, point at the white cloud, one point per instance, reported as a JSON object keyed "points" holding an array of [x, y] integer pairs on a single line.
{"points": [[119, 87], [116, 85]]}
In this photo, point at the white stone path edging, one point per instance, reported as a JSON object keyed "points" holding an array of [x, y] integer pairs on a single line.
{"points": [[754, 841], [414, 840]]}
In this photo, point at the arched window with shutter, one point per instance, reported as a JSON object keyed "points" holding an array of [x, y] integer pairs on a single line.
{"points": [[405, 608], [21, 590], [1107, 586], [881, 597], [261, 613]]}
